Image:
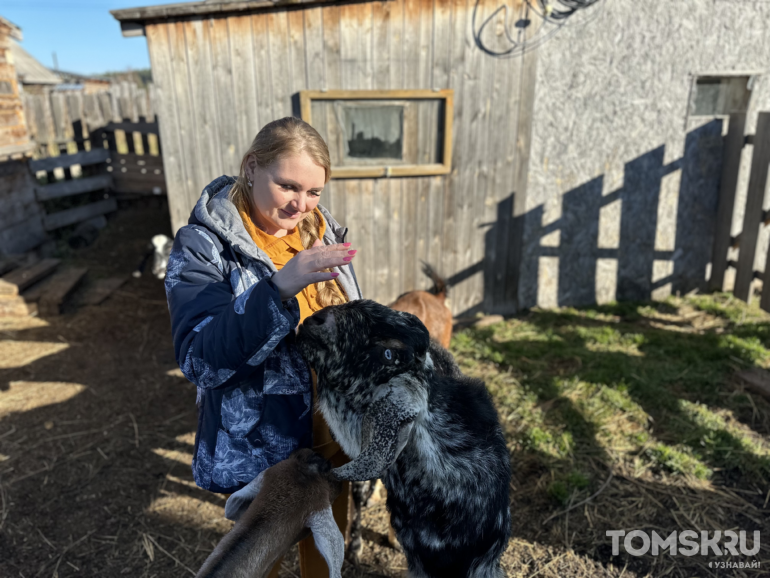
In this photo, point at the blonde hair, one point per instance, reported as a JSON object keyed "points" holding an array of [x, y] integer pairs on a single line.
{"points": [[276, 139]]}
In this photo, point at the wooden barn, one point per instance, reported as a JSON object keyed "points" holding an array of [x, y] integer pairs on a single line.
{"points": [[536, 152], [429, 133]]}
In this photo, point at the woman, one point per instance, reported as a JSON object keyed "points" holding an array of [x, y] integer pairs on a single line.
{"points": [[258, 256]]}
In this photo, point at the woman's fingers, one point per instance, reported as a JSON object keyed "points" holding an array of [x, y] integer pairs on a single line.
{"points": [[319, 277], [333, 261]]}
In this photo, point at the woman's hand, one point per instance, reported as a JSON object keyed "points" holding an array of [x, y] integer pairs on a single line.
{"points": [[305, 267]]}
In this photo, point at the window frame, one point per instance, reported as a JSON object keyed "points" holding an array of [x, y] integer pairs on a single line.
{"points": [[306, 98]]}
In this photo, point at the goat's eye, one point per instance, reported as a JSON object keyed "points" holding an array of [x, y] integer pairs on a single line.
{"points": [[388, 354]]}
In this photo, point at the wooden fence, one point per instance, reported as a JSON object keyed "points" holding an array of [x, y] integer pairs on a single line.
{"points": [[121, 120], [753, 218]]}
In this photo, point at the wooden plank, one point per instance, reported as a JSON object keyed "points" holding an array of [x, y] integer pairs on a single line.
{"points": [[23, 277], [245, 87], [314, 56], [280, 63], [262, 69], [160, 59], [333, 79], [82, 158], [221, 77], [61, 286], [206, 150], [15, 307], [353, 94], [33, 293], [467, 294], [147, 161], [396, 222], [74, 187], [349, 51], [754, 201], [181, 9], [72, 216], [454, 196], [101, 289], [142, 127], [731, 165], [296, 47], [188, 131]]}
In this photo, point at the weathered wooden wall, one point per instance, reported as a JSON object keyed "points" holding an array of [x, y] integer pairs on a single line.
{"points": [[219, 80]]}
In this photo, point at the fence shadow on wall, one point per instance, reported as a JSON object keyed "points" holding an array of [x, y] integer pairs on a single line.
{"points": [[582, 269]]}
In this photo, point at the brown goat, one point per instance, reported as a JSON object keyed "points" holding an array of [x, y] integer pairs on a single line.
{"points": [[430, 307], [282, 506]]}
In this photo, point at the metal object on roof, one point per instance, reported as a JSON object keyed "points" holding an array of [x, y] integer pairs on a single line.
{"points": [[29, 70]]}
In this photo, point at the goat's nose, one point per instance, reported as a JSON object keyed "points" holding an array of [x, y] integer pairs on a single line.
{"points": [[316, 318]]}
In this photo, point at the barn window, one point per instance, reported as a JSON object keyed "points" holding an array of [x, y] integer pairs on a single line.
{"points": [[384, 132], [373, 131], [720, 95]]}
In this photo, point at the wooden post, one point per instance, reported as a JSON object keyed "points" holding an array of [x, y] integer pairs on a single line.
{"points": [[145, 139], [754, 201], [129, 138], [731, 164]]}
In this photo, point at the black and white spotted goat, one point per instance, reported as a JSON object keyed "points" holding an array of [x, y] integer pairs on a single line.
{"points": [[400, 408]]}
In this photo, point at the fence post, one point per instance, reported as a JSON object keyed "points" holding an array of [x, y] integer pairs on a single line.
{"points": [[731, 164], [754, 201]]}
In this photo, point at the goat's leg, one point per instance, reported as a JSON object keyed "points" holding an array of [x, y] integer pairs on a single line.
{"points": [[356, 546]]}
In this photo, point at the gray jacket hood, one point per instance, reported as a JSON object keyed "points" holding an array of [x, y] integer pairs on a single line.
{"points": [[216, 212]]}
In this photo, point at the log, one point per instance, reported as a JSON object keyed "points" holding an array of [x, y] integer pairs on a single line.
{"points": [[62, 285], [25, 276]]}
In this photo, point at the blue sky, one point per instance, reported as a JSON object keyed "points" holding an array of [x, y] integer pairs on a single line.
{"points": [[83, 33]]}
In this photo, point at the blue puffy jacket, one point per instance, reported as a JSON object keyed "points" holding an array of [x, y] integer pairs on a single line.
{"points": [[234, 339]]}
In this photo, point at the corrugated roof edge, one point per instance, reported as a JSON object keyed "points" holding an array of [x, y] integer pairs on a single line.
{"points": [[166, 11]]}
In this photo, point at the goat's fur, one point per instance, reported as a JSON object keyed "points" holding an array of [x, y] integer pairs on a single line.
{"points": [[400, 408], [282, 506], [430, 307]]}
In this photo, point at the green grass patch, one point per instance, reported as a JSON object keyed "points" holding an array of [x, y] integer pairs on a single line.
{"points": [[647, 384]]}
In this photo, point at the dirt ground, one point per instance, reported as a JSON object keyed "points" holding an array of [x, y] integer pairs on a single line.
{"points": [[96, 435]]}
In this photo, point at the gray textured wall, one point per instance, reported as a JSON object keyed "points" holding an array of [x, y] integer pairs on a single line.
{"points": [[622, 189]]}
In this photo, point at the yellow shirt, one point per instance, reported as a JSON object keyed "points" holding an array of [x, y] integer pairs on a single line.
{"points": [[280, 250]]}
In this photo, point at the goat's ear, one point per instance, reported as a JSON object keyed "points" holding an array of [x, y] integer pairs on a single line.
{"points": [[385, 430], [328, 539], [240, 501]]}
